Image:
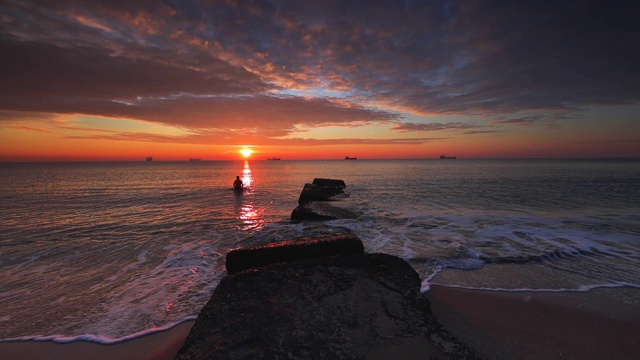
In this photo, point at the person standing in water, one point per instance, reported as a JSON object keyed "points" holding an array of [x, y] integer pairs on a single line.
{"points": [[238, 185]]}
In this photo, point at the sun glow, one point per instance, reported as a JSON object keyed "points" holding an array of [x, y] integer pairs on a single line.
{"points": [[246, 152]]}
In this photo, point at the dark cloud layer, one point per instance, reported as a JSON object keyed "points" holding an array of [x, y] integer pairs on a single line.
{"points": [[222, 64], [408, 127], [35, 70]]}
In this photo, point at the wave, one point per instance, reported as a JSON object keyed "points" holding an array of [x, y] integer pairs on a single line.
{"points": [[556, 254], [104, 340], [583, 288]]}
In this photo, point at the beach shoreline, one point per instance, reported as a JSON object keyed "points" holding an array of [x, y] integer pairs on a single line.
{"points": [[162, 345]]}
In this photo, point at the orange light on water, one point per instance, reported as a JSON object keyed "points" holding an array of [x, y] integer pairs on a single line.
{"points": [[247, 178]]}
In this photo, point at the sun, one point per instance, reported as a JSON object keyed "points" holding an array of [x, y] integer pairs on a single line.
{"points": [[246, 152]]}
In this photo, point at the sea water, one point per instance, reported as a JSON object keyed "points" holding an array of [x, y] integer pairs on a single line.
{"points": [[110, 251]]}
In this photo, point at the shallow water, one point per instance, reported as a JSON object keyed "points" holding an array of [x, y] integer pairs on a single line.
{"points": [[104, 251]]}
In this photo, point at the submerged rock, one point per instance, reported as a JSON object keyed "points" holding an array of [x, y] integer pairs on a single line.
{"points": [[313, 202], [321, 211], [366, 306]]}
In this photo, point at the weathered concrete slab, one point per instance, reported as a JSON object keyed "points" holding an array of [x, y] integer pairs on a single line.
{"points": [[339, 307], [293, 250], [329, 182], [312, 192]]}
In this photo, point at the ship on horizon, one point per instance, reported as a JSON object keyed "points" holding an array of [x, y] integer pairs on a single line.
{"points": [[444, 157], [273, 158], [149, 158], [350, 158]]}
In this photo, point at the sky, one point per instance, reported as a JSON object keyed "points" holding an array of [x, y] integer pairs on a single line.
{"points": [[112, 80]]}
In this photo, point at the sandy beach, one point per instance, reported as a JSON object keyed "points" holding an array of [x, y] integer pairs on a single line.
{"points": [[600, 324]]}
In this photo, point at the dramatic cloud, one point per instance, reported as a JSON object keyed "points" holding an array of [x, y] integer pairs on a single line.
{"points": [[34, 70], [410, 127], [548, 119], [274, 115], [272, 66], [254, 138]]}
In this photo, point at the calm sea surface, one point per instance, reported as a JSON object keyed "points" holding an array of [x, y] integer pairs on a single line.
{"points": [[109, 251]]}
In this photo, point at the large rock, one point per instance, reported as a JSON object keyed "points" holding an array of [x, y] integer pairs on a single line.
{"points": [[313, 192], [312, 202], [330, 182], [316, 210], [339, 307], [293, 250]]}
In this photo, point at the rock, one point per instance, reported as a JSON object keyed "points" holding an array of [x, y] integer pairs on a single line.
{"points": [[339, 307], [320, 211], [311, 206], [293, 250], [330, 182], [312, 192]]}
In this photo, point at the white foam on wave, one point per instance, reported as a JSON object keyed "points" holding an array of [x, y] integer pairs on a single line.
{"points": [[425, 286], [117, 295], [583, 288], [141, 258], [570, 233], [100, 339], [168, 293], [592, 249], [573, 237]]}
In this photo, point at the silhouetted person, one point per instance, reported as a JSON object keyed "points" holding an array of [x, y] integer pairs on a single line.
{"points": [[238, 185]]}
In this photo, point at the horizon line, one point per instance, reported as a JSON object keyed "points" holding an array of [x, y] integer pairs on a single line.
{"points": [[328, 159]]}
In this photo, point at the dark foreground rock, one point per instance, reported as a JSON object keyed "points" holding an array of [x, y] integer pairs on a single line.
{"points": [[340, 307]]}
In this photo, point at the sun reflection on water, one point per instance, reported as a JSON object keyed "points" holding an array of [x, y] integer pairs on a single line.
{"points": [[245, 209], [247, 178]]}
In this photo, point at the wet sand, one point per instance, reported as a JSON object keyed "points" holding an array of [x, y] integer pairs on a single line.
{"points": [[600, 324], [159, 346]]}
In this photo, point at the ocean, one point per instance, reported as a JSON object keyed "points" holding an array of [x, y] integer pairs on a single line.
{"points": [[114, 250]]}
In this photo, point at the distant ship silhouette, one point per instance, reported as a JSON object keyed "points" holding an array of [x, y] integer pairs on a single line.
{"points": [[274, 158], [149, 158], [447, 157], [350, 158]]}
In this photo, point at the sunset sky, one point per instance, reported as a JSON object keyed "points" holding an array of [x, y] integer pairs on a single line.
{"points": [[122, 80]]}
